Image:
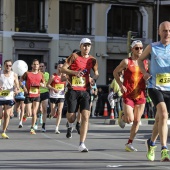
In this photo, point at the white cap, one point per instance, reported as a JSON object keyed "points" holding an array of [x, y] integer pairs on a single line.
{"points": [[85, 40], [136, 42]]}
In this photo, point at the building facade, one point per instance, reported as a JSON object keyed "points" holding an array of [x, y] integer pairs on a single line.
{"points": [[49, 30]]}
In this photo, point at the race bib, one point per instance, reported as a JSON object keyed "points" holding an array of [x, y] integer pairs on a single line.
{"points": [[21, 90], [59, 87], [163, 79], [78, 81], [4, 93], [33, 90]]}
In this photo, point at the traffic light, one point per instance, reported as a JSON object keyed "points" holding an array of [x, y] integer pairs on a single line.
{"points": [[130, 37]]}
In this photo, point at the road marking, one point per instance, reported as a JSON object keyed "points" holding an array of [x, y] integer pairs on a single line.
{"points": [[113, 166]]}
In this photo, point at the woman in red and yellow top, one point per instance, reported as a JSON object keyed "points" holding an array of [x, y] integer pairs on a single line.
{"points": [[133, 89], [34, 79], [57, 84]]}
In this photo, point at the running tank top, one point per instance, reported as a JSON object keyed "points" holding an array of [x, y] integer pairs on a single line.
{"points": [[45, 89], [59, 85], [160, 67], [133, 81], [77, 63], [7, 83], [33, 83]]}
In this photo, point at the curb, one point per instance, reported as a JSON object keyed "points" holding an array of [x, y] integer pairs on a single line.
{"points": [[143, 122]]}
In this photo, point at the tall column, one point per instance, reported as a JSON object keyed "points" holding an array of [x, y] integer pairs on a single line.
{"points": [[100, 31], [53, 30], [8, 28]]}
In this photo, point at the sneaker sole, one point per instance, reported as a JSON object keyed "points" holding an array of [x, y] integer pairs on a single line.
{"points": [[84, 151], [69, 137], [5, 138], [129, 150], [165, 160]]}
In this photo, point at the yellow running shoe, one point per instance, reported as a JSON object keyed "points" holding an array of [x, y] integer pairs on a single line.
{"points": [[32, 131], [129, 147], [4, 136], [165, 155], [150, 151]]}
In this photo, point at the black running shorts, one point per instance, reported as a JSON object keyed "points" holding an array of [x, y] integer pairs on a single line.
{"points": [[158, 96], [77, 99]]}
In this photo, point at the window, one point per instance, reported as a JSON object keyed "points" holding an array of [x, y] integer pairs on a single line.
{"points": [[122, 19], [75, 18], [29, 15]]}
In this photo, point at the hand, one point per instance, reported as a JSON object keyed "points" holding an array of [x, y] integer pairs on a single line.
{"points": [[147, 76], [1, 88], [42, 84], [79, 73], [123, 89], [55, 90]]}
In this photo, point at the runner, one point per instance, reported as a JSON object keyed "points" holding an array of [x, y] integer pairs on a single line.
{"points": [[159, 89], [44, 96], [56, 84], [78, 67], [34, 79], [133, 89], [8, 81], [19, 105]]}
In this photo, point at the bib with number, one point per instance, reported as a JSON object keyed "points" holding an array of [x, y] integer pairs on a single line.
{"points": [[21, 90], [4, 93], [163, 79], [78, 81], [33, 90], [59, 87]]}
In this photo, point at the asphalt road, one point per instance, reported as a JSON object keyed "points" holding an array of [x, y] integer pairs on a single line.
{"points": [[106, 144]]}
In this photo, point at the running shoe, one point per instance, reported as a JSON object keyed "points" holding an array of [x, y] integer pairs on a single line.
{"points": [[43, 130], [40, 119], [32, 131], [82, 148], [78, 128], [67, 125], [57, 131], [24, 119], [129, 147], [4, 136], [165, 155], [120, 121], [150, 151], [20, 126], [69, 132], [36, 126]]}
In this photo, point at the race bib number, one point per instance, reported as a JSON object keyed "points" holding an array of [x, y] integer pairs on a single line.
{"points": [[78, 81], [59, 87], [4, 93], [163, 79], [21, 90], [34, 90]]}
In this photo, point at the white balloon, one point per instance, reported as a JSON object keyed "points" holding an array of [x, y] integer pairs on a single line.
{"points": [[20, 67]]}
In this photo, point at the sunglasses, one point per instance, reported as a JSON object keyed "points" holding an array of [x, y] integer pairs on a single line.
{"points": [[137, 48], [8, 65], [41, 66]]}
